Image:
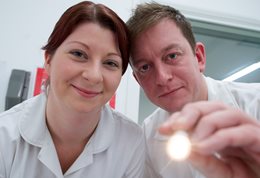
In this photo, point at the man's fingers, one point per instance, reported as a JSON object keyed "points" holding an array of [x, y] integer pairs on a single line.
{"points": [[243, 136], [188, 117], [167, 128], [219, 120]]}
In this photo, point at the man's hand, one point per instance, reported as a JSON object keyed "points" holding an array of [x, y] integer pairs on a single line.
{"points": [[226, 141]]}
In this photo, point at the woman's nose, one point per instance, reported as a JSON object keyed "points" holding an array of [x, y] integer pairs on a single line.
{"points": [[93, 73]]}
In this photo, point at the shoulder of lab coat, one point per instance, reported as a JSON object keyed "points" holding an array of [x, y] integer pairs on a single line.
{"points": [[116, 136], [245, 96]]}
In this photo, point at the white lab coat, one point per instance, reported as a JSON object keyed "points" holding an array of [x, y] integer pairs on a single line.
{"points": [[158, 163], [116, 149]]}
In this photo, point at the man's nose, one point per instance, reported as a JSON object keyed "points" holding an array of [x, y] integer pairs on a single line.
{"points": [[163, 75]]}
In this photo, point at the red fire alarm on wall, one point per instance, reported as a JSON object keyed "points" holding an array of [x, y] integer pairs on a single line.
{"points": [[41, 77]]}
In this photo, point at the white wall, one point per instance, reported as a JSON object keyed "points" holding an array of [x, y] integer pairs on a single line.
{"points": [[26, 25]]}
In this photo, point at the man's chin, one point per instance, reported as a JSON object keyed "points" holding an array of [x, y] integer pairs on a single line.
{"points": [[172, 107]]}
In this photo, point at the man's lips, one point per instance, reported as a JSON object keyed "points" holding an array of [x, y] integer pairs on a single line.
{"points": [[169, 92]]}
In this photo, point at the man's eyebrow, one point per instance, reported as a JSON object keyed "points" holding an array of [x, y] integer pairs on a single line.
{"points": [[137, 61], [171, 46], [165, 49]]}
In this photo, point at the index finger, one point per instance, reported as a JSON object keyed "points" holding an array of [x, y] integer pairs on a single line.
{"points": [[189, 116]]}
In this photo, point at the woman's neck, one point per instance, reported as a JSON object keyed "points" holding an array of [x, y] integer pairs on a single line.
{"points": [[68, 126], [70, 131]]}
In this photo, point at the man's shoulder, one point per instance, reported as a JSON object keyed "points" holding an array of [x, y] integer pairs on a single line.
{"points": [[154, 117], [245, 96], [232, 86], [153, 121]]}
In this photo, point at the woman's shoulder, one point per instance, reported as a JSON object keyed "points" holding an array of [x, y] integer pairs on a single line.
{"points": [[125, 121], [10, 119], [114, 127], [9, 129], [122, 126]]}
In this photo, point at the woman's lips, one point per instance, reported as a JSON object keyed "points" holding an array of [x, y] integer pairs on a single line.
{"points": [[85, 92]]}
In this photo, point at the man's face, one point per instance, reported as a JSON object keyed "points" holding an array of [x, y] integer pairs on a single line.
{"points": [[166, 67]]}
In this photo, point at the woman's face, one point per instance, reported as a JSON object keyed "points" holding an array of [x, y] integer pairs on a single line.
{"points": [[85, 70]]}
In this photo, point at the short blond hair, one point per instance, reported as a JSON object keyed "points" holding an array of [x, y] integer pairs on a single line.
{"points": [[149, 14]]}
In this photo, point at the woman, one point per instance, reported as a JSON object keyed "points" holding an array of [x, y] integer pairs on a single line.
{"points": [[69, 131]]}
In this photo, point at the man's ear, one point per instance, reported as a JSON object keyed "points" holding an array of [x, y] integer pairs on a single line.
{"points": [[47, 63], [201, 56]]}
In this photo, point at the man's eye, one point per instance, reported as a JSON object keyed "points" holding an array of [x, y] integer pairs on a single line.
{"points": [[144, 68], [172, 56]]}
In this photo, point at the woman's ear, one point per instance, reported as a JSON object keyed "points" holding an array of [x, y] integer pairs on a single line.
{"points": [[201, 56], [47, 63]]}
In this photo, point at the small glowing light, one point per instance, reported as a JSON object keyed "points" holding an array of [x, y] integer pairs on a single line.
{"points": [[179, 146]]}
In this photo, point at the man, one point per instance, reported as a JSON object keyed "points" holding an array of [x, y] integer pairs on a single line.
{"points": [[221, 117]]}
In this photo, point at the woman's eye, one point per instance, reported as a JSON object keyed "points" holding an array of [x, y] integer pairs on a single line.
{"points": [[79, 54], [112, 64]]}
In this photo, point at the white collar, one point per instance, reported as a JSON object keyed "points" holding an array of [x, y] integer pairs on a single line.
{"points": [[34, 130]]}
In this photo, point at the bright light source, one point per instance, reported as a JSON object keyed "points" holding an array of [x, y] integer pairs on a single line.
{"points": [[179, 146], [243, 72]]}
